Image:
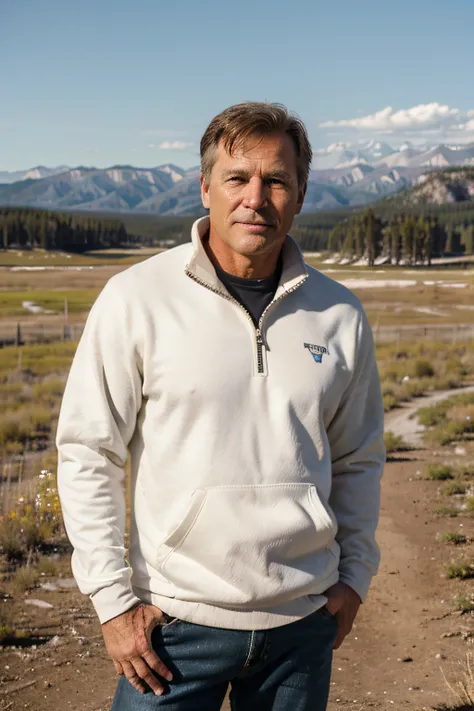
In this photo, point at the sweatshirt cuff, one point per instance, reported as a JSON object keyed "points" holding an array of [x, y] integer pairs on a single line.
{"points": [[357, 577], [113, 600]]}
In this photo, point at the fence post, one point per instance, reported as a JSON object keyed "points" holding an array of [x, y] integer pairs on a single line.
{"points": [[18, 334], [8, 485], [20, 469]]}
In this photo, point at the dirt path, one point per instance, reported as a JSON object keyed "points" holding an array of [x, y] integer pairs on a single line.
{"points": [[402, 422], [391, 660]]}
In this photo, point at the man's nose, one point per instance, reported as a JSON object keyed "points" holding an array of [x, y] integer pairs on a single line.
{"points": [[255, 194]]}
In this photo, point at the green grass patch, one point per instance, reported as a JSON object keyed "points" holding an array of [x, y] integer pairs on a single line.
{"points": [[43, 359], [32, 381], [461, 570], [79, 300], [454, 487], [439, 472], [42, 258], [464, 605], [395, 443], [456, 538], [447, 511]]}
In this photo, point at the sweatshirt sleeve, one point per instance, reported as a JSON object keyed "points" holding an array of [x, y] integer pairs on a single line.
{"points": [[96, 422], [358, 456]]}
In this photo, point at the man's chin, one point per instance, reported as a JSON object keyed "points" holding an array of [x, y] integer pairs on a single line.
{"points": [[255, 239]]}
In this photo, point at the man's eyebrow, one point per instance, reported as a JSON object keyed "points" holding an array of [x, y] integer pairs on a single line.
{"points": [[242, 173]]}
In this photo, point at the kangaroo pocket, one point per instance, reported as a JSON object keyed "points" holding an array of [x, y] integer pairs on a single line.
{"points": [[241, 545]]}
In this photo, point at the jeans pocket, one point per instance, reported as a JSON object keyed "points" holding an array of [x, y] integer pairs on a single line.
{"points": [[167, 620]]}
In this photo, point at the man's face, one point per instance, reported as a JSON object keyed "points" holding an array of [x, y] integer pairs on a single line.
{"points": [[253, 195]]}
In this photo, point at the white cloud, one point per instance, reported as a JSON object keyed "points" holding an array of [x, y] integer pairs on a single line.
{"points": [[418, 118], [333, 147], [469, 126], [174, 145]]}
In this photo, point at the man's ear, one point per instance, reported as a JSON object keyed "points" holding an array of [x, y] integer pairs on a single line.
{"points": [[301, 196], [204, 192]]}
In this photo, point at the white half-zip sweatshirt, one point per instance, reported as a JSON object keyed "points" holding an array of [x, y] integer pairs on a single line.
{"points": [[256, 454]]}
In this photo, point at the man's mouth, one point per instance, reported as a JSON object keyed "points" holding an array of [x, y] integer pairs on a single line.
{"points": [[256, 226]]}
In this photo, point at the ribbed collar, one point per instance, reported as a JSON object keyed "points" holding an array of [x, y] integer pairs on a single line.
{"points": [[200, 266]]}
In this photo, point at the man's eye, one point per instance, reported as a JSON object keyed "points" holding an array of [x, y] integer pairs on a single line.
{"points": [[235, 178], [275, 180]]}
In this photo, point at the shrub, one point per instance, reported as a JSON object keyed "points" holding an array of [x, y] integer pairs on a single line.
{"points": [[439, 472], [14, 427], [431, 416], [463, 690], [6, 626], [444, 434], [423, 369], [11, 540], [446, 511], [466, 469], [48, 389], [469, 504], [395, 443], [413, 388], [455, 538], [464, 605], [454, 487], [391, 374], [25, 578], [25, 423], [389, 402], [46, 566], [461, 569], [13, 448], [463, 418], [32, 523], [455, 367], [445, 382]]}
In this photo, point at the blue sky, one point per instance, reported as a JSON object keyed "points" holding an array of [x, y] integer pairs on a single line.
{"points": [[105, 82]]}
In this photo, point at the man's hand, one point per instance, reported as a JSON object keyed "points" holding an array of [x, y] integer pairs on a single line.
{"points": [[343, 602], [128, 641]]}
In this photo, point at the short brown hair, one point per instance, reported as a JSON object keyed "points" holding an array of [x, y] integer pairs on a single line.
{"points": [[237, 123]]}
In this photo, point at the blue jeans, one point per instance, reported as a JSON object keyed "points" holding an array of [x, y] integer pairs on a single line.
{"points": [[287, 668]]}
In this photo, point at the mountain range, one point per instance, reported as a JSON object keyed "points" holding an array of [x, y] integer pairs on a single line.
{"points": [[341, 175]]}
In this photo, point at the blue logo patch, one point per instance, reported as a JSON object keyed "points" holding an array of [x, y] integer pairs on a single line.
{"points": [[317, 351]]}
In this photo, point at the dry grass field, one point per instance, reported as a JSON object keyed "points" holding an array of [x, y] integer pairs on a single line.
{"points": [[413, 640]]}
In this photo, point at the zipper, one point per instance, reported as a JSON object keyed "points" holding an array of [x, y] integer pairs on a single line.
{"points": [[258, 330]]}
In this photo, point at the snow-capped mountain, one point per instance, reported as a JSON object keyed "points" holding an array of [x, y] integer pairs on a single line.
{"points": [[342, 174], [36, 173]]}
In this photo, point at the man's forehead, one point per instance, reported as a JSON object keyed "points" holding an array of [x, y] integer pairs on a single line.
{"points": [[278, 151]]}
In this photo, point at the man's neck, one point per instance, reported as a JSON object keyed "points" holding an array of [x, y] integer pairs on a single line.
{"points": [[257, 266]]}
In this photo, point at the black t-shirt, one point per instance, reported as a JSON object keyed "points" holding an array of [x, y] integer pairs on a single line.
{"points": [[253, 294]]}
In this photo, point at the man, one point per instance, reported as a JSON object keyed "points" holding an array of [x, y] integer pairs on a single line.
{"points": [[244, 384]]}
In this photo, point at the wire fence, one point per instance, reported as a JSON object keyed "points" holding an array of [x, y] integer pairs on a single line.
{"points": [[30, 333], [448, 333]]}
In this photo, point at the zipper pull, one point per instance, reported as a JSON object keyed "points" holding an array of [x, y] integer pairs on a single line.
{"points": [[259, 337]]}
